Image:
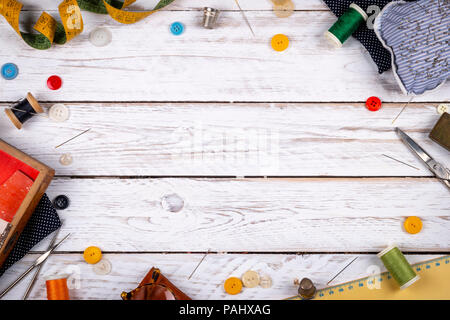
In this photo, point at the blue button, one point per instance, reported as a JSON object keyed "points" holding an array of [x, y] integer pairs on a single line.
{"points": [[9, 71], [176, 28]]}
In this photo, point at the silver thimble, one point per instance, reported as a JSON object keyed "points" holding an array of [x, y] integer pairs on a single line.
{"points": [[210, 16]]}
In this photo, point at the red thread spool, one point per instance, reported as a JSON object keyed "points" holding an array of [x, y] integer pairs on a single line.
{"points": [[57, 289]]}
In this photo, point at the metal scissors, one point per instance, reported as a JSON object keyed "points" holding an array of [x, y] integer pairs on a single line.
{"points": [[437, 168], [36, 263]]}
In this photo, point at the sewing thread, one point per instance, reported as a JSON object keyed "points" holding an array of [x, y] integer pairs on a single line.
{"points": [[23, 110], [397, 265], [57, 289], [346, 25]]}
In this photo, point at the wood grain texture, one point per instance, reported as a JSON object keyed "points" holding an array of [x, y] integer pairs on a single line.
{"points": [[253, 215], [145, 62], [207, 282], [262, 139]]}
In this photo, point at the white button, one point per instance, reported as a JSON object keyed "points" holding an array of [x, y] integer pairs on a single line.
{"points": [[58, 112], [66, 159], [443, 108], [100, 37], [265, 281], [103, 267]]}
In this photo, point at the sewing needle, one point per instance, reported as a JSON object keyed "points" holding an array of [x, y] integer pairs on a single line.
{"points": [[400, 161], [72, 138], [402, 109], [198, 265], [342, 270], [245, 17]]}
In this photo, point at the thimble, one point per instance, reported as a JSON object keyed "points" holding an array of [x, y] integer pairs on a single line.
{"points": [[306, 289], [210, 16]]}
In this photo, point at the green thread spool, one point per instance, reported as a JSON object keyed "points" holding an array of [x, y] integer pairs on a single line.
{"points": [[397, 265], [346, 25]]}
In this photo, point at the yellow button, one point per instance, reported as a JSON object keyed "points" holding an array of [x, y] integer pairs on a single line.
{"points": [[92, 255], [280, 42], [413, 225], [233, 285], [250, 279]]}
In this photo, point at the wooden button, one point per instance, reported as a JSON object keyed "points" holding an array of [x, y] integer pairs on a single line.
{"points": [[413, 225], [283, 9], [233, 285], [92, 255], [250, 279]]}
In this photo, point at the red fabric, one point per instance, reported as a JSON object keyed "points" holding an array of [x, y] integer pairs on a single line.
{"points": [[9, 165], [12, 194]]}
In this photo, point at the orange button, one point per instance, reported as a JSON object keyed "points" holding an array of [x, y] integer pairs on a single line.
{"points": [[280, 42], [373, 103], [233, 285], [413, 225], [92, 255]]}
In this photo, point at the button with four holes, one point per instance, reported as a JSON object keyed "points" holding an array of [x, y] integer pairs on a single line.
{"points": [[176, 28], [413, 225], [92, 255], [61, 202], [250, 279], [54, 83], [443, 108], [10, 71], [233, 285], [373, 103], [58, 112], [280, 42], [100, 37]]}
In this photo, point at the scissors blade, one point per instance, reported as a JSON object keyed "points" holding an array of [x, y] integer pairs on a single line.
{"points": [[422, 154], [46, 254]]}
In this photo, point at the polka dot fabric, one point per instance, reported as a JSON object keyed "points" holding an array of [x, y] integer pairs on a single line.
{"points": [[380, 55], [43, 221]]}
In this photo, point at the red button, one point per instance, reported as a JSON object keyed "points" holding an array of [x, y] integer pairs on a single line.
{"points": [[54, 83], [373, 104]]}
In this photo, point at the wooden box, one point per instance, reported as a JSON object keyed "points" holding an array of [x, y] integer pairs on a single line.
{"points": [[23, 181]]}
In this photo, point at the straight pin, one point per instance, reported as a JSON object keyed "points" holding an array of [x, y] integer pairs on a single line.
{"points": [[72, 138]]}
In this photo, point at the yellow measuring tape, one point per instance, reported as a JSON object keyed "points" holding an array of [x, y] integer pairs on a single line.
{"points": [[52, 31], [433, 285]]}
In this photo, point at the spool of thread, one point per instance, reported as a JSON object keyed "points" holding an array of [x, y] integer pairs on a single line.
{"points": [[346, 25], [23, 110], [400, 269], [57, 289]]}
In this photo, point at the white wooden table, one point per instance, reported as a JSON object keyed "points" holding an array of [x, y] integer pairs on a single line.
{"points": [[277, 163]]}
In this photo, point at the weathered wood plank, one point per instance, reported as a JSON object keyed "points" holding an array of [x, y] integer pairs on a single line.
{"points": [[253, 215], [51, 5], [145, 62], [207, 282], [194, 139]]}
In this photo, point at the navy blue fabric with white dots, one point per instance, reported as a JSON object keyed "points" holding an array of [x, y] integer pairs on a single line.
{"points": [[380, 55], [43, 221]]}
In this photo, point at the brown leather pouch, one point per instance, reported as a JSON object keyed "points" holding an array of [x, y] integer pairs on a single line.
{"points": [[441, 131], [155, 287]]}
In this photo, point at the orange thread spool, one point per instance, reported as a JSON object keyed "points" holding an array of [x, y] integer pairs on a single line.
{"points": [[57, 289]]}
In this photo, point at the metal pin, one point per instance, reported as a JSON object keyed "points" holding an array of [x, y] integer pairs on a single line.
{"points": [[400, 162], [342, 270], [198, 265], [402, 109], [72, 138], [245, 17]]}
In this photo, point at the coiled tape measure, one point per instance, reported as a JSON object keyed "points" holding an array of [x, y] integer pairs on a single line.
{"points": [[52, 31]]}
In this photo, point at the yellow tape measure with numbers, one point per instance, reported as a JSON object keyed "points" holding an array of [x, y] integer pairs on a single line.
{"points": [[52, 31], [433, 285]]}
